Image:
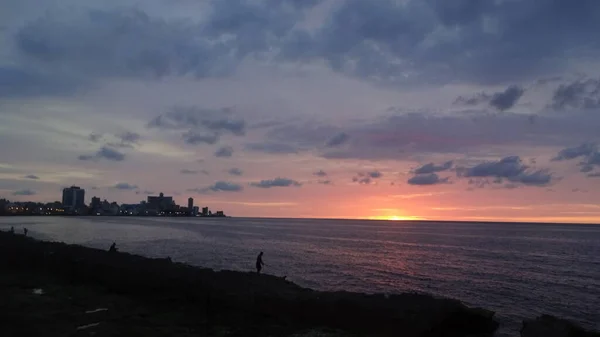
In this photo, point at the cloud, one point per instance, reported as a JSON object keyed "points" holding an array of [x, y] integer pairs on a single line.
{"points": [[507, 99], [186, 171], [272, 147], [436, 40], [125, 186], [501, 100], [594, 175], [32, 177], [277, 182], [24, 192], [337, 140], [581, 94], [104, 153], [200, 125], [235, 171], [432, 168], [583, 150], [220, 186], [224, 152], [195, 138], [402, 135], [145, 192], [320, 173], [126, 140], [95, 137], [325, 182], [510, 168], [24, 81], [427, 179], [366, 178]]}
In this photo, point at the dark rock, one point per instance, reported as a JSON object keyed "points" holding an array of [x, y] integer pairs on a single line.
{"points": [[549, 326], [238, 298]]}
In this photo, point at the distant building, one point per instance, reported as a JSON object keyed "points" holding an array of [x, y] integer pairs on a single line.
{"points": [[160, 202], [73, 197], [204, 211], [190, 206], [96, 203], [195, 211]]}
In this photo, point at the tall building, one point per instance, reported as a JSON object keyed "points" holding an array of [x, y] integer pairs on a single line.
{"points": [[96, 203], [204, 211], [160, 203], [190, 206], [73, 197]]}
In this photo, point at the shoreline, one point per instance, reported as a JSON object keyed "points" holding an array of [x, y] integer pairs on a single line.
{"points": [[224, 303]]}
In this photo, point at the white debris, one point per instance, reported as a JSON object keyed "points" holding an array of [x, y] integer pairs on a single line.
{"points": [[96, 310], [38, 291], [83, 327]]}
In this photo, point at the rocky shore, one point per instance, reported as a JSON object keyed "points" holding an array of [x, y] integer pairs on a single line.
{"points": [[54, 289]]}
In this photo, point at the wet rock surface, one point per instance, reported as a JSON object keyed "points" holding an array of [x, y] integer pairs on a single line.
{"points": [[143, 295]]}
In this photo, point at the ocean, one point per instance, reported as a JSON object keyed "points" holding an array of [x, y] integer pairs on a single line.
{"points": [[518, 270]]}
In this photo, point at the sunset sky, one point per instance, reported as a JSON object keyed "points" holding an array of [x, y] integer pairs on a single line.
{"points": [[388, 109]]}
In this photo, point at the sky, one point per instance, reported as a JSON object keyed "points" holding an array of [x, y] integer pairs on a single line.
{"points": [[479, 110]]}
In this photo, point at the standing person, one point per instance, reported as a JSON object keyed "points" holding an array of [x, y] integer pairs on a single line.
{"points": [[259, 262], [25, 230]]}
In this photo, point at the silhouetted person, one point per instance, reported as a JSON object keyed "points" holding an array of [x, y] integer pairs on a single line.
{"points": [[259, 262], [113, 248], [25, 231], [12, 230]]}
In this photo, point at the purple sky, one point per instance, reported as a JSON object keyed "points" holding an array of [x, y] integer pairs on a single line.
{"points": [[434, 109]]}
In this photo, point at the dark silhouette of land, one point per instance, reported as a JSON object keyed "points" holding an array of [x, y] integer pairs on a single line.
{"points": [[54, 289]]}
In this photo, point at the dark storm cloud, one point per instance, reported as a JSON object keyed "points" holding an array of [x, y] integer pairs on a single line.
{"points": [[509, 168], [277, 182], [224, 152], [320, 173], [581, 94], [235, 171], [220, 186], [104, 153], [427, 179], [337, 140], [24, 192], [125, 186], [272, 147], [383, 41], [501, 100], [432, 168], [32, 177]]}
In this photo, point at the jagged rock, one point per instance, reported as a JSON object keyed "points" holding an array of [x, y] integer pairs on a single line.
{"points": [[549, 326]]}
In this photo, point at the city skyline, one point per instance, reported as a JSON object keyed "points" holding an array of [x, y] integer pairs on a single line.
{"points": [[320, 108]]}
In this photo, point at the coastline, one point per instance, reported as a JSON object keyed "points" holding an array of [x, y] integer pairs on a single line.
{"points": [[183, 300]]}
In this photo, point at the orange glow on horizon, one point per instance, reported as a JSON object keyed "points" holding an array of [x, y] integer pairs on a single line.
{"points": [[395, 218]]}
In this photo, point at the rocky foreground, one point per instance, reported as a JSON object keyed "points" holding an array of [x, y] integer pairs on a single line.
{"points": [[53, 289]]}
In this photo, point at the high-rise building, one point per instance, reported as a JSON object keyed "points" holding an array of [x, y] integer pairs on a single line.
{"points": [[96, 203], [204, 211], [160, 203], [190, 208], [73, 197]]}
